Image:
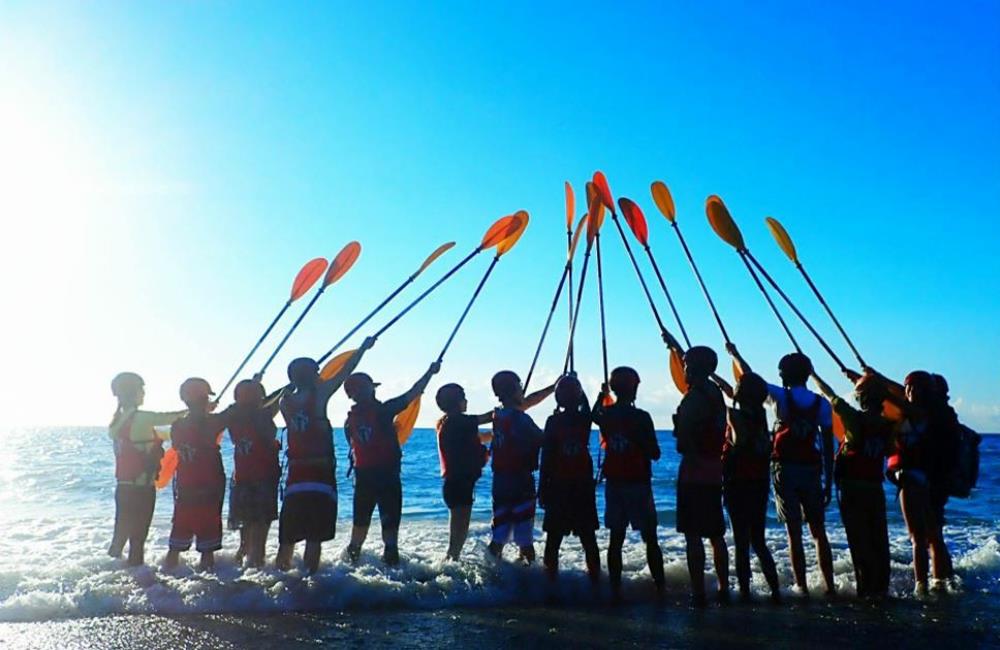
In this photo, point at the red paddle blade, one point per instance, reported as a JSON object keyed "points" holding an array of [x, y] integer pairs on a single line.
{"points": [[511, 239], [307, 277], [722, 223], [570, 206], [341, 264], [595, 213], [603, 191], [663, 200], [635, 219], [500, 230]]}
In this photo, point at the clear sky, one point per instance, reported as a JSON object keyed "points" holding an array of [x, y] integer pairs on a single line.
{"points": [[165, 168]]}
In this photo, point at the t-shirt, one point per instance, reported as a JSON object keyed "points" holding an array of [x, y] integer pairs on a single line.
{"points": [[461, 453], [803, 398]]}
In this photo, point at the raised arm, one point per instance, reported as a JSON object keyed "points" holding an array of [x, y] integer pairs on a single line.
{"points": [[485, 418], [741, 363], [397, 404], [824, 387], [536, 398], [333, 384], [723, 385]]}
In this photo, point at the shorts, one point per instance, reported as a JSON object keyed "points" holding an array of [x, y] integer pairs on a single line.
{"points": [[197, 521], [514, 509], [251, 503], [798, 493], [378, 488], [570, 507], [699, 510], [629, 504], [746, 503], [457, 491], [308, 515]]}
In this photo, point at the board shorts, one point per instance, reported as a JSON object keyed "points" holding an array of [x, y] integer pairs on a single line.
{"points": [[458, 491], [570, 507], [514, 509], [252, 503], [198, 520], [699, 510], [746, 503], [379, 488], [798, 493], [629, 504], [308, 515]]}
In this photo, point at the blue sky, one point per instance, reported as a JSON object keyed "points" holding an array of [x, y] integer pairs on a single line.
{"points": [[170, 166]]}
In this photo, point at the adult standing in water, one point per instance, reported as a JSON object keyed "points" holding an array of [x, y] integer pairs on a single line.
{"points": [[138, 450]]}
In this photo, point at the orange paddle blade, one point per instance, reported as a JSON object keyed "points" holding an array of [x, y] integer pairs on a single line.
{"points": [[677, 371], [576, 237], [595, 214], [168, 467], [341, 264], [722, 223], [664, 202], [603, 190], [334, 365], [781, 236], [500, 230], [838, 427], [406, 420], [307, 277], [438, 252], [608, 401], [891, 411], [737, 371], [635, 219], [570, 205], [511, 239]]}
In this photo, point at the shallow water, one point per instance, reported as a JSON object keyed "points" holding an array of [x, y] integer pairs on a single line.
{"points": [[57, 486]]}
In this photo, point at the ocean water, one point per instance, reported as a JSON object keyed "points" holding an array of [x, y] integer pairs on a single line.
{"points": [[57, 508]]}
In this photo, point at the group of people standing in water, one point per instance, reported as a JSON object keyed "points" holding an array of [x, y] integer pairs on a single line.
{"points": [[731, 459]]}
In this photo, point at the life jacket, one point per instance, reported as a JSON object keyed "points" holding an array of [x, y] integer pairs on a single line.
{"points": [[310, 440], [466, 456], [133, 460], [703, 463], [796, 437], [373, 437], [570, 445], [910, 450], [624, 460], [514, 449], [255, 447], [864, 458], [746, 453], [199, 461]]}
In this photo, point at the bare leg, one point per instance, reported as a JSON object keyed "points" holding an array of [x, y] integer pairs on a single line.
{"points": [[241, 552], [766, 559], [358, 536], [654, 558], [207, 561], [797, 554], [390, 540], [283, 560], [741, 538], [458, 523], [913, 505], [527, 553], [824, 555], [593, 556], [551, 559], [172, 560], [311, 556], [720, 558], [695, 551], [615, 561]]}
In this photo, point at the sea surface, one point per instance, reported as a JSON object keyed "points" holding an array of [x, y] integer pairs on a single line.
{"points": [[57, 508]]}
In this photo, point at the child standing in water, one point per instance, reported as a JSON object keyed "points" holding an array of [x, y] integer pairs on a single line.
{"points": [[138, 450], [700, 429], [566, 480], [200, 483], [629, 440], [462, 457]]}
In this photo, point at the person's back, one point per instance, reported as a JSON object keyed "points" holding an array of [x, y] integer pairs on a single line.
{"points": [[310, 441], [629, 442], [369, 429], [199, 466], [800, 414], [255, 445]]}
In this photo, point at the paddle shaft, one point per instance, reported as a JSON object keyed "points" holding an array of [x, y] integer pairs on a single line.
{"points": [[666, 292], [427, 292], [567, 271], [263, 336], [465, 313], [701, 282], [292, 329], [774, 308], [857, 355], [367, 318], [600, 300], [576, 310], [569, 295]]}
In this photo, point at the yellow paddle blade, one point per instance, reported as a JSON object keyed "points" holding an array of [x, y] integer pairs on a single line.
{"points": [[406, 420], [307, 277], [722, 223], [664, 202], [576, 237], [499, 231], [341, 264], [511, 239], [438, 252], [334, 365], [737, 372], [595, 213], [168, 467], [781, 236], [677, 370], [603, 190], [838, 427], [570, 205]]}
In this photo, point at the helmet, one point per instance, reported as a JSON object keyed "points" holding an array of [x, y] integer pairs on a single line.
{"points": [[751, 389], [195, 389], [126, 385], [449, 396], [568, 391], [624, 380], [795, 368], [920, 379], [941, 385], [249, 392], [505, 383], [302, 371], [701, 360], [357, 383]]}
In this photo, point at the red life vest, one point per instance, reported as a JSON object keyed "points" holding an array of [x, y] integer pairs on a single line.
{"points": [[515, 442], [570, 446], [459, 434], [373, 437], [310, 440], [796, 437], [131, 460], [910, 451], [255, 448], [624, 460], [199, 461], [750, 460], [864, 459]]}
